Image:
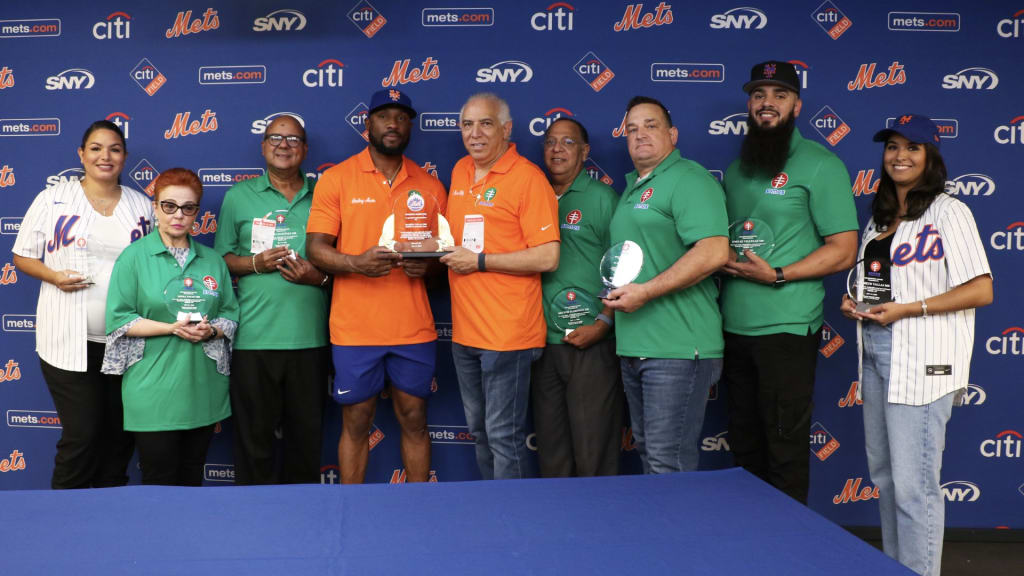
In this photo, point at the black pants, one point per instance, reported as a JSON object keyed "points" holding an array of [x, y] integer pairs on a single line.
{"points": [[577, 404], [272, 389], [93, 450], [770, 384], [174, 457]]}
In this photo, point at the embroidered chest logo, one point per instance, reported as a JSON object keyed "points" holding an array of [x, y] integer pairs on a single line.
{"points": [[490, 193], [778, 184], [210, 282], [646, 195], [572, 220], [62, 235], [571, 296], [928, 247]]}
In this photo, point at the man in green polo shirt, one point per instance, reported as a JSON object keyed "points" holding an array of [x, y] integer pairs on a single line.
{"points": [[794, 195], [576, 389], [667, 324], [280, 364]]}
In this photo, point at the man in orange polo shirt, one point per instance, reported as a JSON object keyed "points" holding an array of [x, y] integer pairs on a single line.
{"points": [[503, 216], [381, 323]]}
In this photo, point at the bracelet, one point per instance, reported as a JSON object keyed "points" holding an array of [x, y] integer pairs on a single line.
{"points": [[324, 281], [254, 268], [213, 334], [606, 319], [924, 309], [481, 262]]}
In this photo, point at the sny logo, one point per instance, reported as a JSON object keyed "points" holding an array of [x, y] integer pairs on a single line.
{"points": [[1012, 133], [744, 18], [65, 176], [400, 73], [831, 19], [593, 71], [71, 79], [539, 125], [147, 76], [507, 71], [557, 16], [960, 491], [182, 127], [286, 20], [975, 78], [327, 73], [831, 127], [866, 77], [117, 26], [368, 19], [184, 25], [260, 126], [633, 20], [733, 124], [716, 443], [974, 395], [971, 185]]}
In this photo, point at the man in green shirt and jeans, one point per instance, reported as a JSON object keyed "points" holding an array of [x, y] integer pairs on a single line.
{"points": [[668, 326], [772, 301]]}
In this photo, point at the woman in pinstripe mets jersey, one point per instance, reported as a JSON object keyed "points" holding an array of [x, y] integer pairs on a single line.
{"points": [[921, 274]]}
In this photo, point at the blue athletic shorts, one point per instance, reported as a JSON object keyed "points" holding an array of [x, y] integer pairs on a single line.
{"points": [[362, 372]]}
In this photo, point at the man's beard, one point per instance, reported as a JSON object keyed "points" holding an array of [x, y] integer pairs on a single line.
{"points": [[765, 150], [378, 145]]}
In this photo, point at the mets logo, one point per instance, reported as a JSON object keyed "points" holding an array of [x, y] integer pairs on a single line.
{"points": [[769, 72], [415, 201], [210, 282], [748, 225], [780, 180], [490, 193], [188, 283], [574, 217], [395, 95], [647, 195], [280, 220], [904, 120], [876, 265], [570, 296]]}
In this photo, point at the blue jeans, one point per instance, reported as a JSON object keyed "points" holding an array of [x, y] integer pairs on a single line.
{"points": [[904, 445], [666, 398], [495, 390]]}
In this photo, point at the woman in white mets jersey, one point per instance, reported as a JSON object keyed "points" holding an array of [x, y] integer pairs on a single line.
{"points": [[69, 239], [927, 263]]}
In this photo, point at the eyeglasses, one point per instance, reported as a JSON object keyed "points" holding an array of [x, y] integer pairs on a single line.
{"points": [[564, 142], [169, 207], [276, 139]]}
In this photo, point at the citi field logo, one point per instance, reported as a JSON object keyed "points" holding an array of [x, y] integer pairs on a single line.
{"points": [[540, 124], [716, 443], [260, 126], [184, 24], [6, 78], [14, 462], [148, 77], [1012, 238], [219, 472], [400, 73], [634, 18], [1007, 28], [960, 491], [1006, 444], [435, 17], [1012, 133], [830, 126], [65, 176], [284, 20], [974, 395], [851, 399], [823, 444], [356, 119], [368, 19], [19, 322], [444, 434], [852, 492], [205, 225], [439, 121], [327, 74], [183, 124], [71, 79], [1008, 343], [11, 371], [33, 419], [924, 21], [228, 176], [122, 121], [971, 185], [865, 183], [9, 275], [866, 77], [593, 71], [375, 436], [596, 172], [398, 476], [144, 174], [505, 72], [30, 28], [687, 72], [731, 125], [831, 19], [948, 127], [253, 74], [556, 17], [6, 176], [117, 26], [743, 18], [975, 78], [10, 225]]}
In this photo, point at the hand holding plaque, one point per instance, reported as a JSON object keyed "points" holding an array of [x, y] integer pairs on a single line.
{"points": [[416, 227], [620, 265], [190, 299], [572, 308], [869, 283], [751, 234], [89, 257]]}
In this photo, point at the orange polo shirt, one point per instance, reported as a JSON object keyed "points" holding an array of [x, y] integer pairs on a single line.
{"points": [[519, 210], [351, 201]]}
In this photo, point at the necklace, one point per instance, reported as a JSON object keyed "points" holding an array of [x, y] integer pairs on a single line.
{"points": [[104, 205]]}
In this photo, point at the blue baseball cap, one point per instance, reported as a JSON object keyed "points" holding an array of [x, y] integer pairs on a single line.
{"points": [[391, 97], [913, 127]]}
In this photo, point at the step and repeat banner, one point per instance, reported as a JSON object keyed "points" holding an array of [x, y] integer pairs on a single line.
{"points": [[195, 84]]}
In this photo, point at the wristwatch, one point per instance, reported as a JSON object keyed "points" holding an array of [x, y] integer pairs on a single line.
{"points": [[779, 278]]}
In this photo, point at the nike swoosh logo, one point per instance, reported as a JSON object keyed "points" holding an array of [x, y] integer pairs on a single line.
{"points": [[340, 392], [545, 228], [59, 202]]}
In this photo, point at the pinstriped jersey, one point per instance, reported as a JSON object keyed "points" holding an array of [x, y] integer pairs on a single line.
{"points": [[939, 251], [55, 230]]}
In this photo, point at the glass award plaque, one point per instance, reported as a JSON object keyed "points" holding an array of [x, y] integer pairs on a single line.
{"points": [[416, 228], [869, 283], [189, 298], [572, 308], [751, 234], [620, 265]]}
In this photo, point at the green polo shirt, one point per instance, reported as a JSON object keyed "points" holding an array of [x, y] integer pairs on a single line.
{"points": [[814, 200], [275, 314], [175, 386], [584, 214], [666, 213]]}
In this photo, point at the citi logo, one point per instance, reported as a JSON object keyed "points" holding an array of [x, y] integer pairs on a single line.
{"points": [[330, 474], [121, 120], [6, 78], [6, 176], [971, 185], [1009, 342], [507, 71], [830, 126], [1006, 444], [400, 73], [971, 79], [866, 77], [285, 20], [558, 16], [328, 73], [1011, 27], [731, 125], [368, 19], [319, 171], [866, 183], [65, 176], [184, 126], [260, 126], [539, 125], [831, 19], [117, 26], [148, 77], [1010, 239], [960, 491], [634, 18], [743, 18], [974, 395], [801, 72], [357, 120], [852, 492], [716, 443], [219, 472], [71, 79], [1012, 133], [185, 25]]}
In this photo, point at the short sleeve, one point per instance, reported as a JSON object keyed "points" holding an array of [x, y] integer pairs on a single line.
{"points": [[962, 245], [325, 213], [831, 198], [226, 240], [538, 212], [698, 208], [122, 296], [31, 240]]}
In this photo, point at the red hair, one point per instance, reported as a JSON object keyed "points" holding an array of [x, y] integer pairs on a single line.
{"points": [[178, 177]]}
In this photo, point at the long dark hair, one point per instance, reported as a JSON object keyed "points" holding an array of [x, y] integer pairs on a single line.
{"points": [[886, 205], [104, 125]]}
